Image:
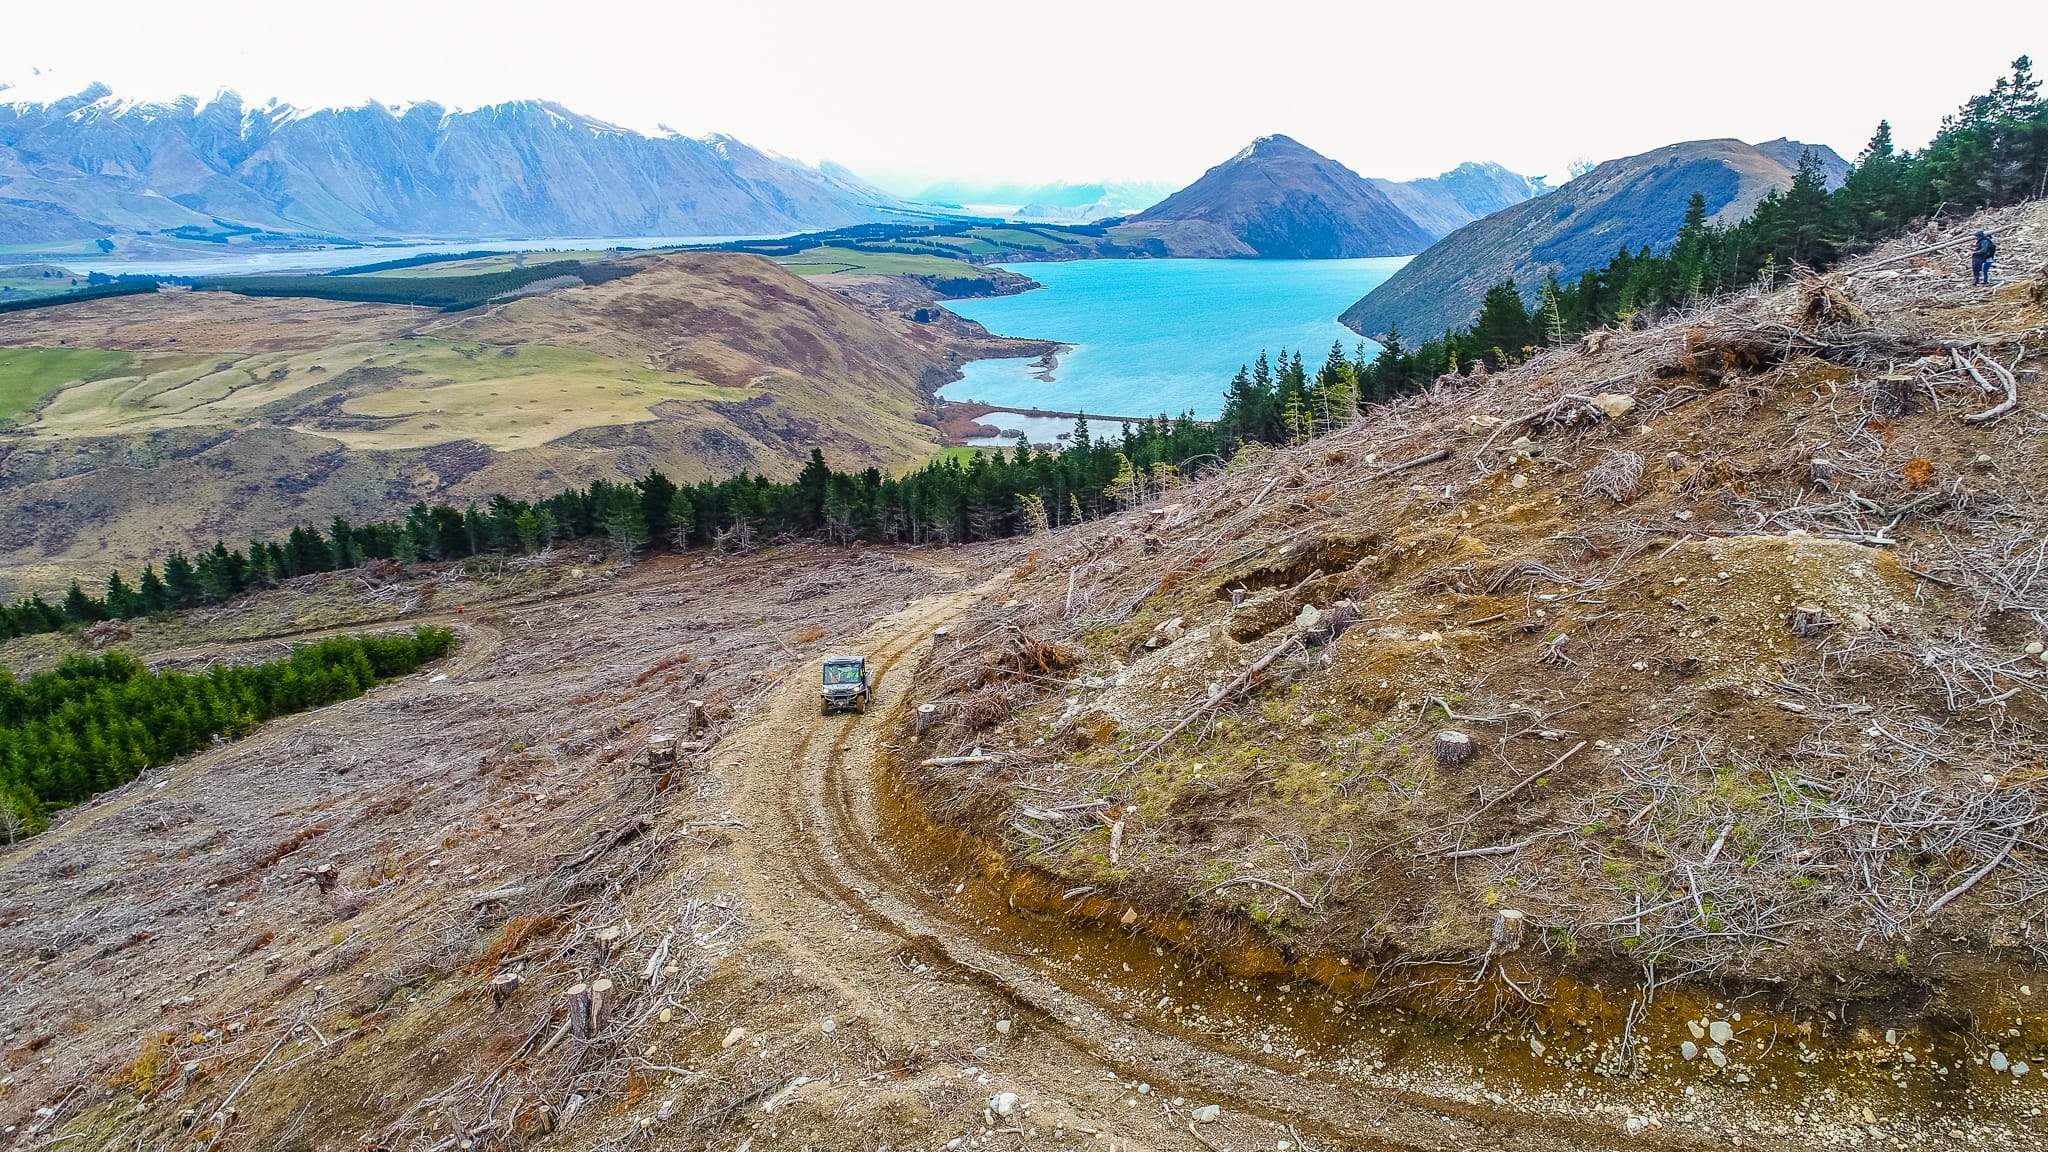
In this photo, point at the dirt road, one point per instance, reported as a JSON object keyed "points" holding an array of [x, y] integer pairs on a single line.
{"points": [[970, 1006]]}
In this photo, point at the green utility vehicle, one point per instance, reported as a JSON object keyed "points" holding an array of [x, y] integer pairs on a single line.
{"points": [[846, 684]]}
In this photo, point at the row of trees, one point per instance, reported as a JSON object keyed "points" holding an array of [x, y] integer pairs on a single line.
{"points": [[1990, 153], [949, 501], [96, 722]]}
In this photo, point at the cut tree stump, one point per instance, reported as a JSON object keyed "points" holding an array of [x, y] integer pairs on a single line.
{"points": [[1809, 620], [927, 715], [503, 985], [601, 1004], [1508, 927], [607, 939], [694, 719], [577, 999], [1451, 749], [324, 876], [661, 752], [940, 635]]}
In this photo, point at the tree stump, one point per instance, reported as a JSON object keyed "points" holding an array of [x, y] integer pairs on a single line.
{"points": [[1809, 620], [1237, 597], [1508, 927], [324, 876], [607, 939], [577, 998], [1819, 472], [1451, 749], [661, 752], [927, 715], [1673, 462], [940, 635], [601, 1005], [694, 719], [503, 985], [1343, 614]]}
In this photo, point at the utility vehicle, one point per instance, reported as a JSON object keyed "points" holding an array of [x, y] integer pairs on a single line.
{"points": [[846, 684]]}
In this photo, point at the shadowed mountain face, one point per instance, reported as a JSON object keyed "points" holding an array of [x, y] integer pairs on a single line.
{"points": [[1278, 198], [1630, 202], [92, 164]]}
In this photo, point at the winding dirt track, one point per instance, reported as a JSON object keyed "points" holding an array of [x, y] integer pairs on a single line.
{"points": [[911, 962]]}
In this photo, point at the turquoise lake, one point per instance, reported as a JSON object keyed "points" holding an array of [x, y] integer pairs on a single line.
{"points": [[1161, 336]]}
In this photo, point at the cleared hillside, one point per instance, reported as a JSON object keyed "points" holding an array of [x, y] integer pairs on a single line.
{"points": [[1709, 650]]}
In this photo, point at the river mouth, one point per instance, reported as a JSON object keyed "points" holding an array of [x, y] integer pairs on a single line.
{"points": [[1568, 1048]]}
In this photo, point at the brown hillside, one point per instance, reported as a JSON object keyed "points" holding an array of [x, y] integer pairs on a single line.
{"points": [[1741, 616], [239, 416]]}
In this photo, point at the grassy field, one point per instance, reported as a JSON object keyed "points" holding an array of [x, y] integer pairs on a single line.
{"points": [[413, 392], [27, 375], [826, 261], [20, 280], [507, 397], [482, 265]]}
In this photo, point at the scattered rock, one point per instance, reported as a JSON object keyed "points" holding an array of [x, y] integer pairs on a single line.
{"points": [[828, 1026], [1003, 1103], [1207, 1114], [1717, 1057], [1689, 1050], [733, 1037], [1002, 1027], [1614, 404], [1999, 1062], [1535, 1046], [2020, 1068], [1721, 1032]]}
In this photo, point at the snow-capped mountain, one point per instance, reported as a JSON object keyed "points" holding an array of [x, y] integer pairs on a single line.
{"points": [[91, 164]]}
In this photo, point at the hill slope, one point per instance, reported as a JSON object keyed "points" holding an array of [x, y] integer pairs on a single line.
{"points": [[1278, 198], [93, 164], [1632, 201], [207, 414]]}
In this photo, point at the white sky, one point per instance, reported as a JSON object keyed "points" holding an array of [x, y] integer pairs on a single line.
{"points": [[909, 92]]}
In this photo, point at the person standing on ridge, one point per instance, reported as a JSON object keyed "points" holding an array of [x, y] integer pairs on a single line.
{"points": [[1980, 259]]}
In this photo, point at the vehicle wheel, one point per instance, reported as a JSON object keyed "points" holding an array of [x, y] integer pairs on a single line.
{"points": [[863, 705], [825, 709]]}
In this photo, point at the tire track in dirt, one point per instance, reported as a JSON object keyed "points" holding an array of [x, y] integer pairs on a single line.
{"points": [[845, 913]]}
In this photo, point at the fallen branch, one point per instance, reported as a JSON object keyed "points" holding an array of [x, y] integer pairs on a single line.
{"points": [[1222, 694], [1419, 461], [1979, 874], [1278, 887], [2008, 379], [1495, 850]]}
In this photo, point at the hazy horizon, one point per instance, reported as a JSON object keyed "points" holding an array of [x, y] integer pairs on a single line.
{"points": [[1120, 95]]}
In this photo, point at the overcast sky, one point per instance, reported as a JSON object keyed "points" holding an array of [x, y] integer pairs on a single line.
{"points": [[905, 93]]}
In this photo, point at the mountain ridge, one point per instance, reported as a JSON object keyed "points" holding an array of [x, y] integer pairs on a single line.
{"points": [[1279, 198], [95, 164]]}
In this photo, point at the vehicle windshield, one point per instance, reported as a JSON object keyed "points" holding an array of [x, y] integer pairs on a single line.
{"points": [[842, 673]]}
